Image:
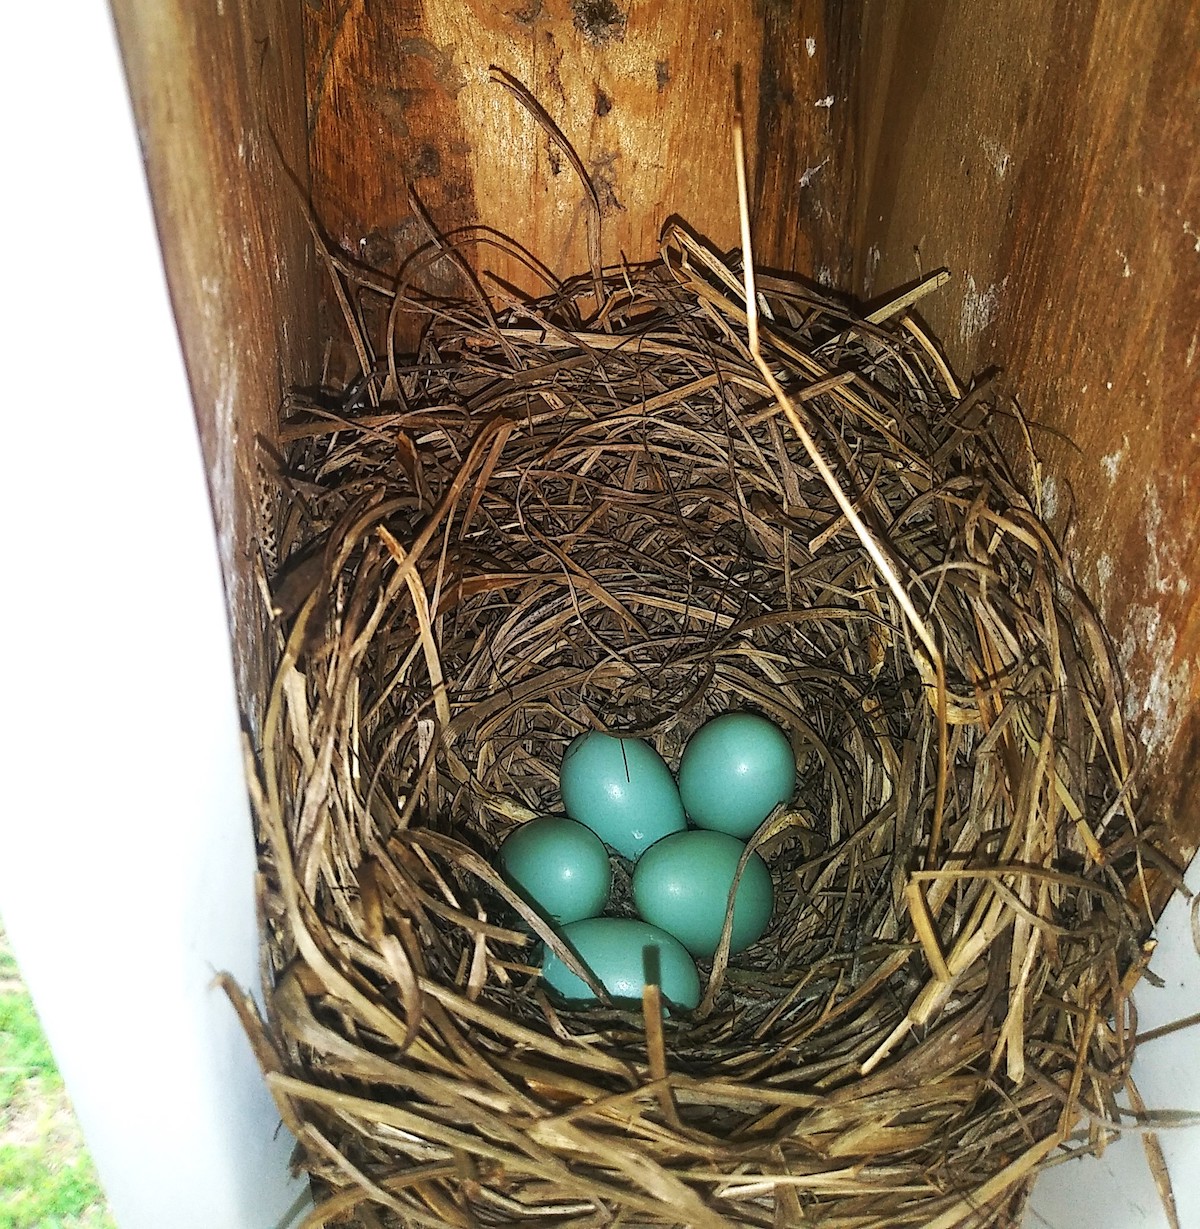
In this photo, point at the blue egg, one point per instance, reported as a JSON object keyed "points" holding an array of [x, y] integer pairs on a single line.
{"points": [[622, 789], [683, 883], [735, 770], [624, 955], [560, 867]]}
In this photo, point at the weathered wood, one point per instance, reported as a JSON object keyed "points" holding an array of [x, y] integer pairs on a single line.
{"points": [[1046, 154], [400, 91], [209, 87]]}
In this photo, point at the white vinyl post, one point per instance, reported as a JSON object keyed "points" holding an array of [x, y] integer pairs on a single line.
{"points": [[126, 849], [1116, 1190]]}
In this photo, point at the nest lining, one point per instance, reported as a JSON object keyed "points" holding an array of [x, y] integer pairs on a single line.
{"points": [[589, 512]]}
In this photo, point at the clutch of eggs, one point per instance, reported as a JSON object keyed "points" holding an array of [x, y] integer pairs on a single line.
{"points": [[619, 792]]}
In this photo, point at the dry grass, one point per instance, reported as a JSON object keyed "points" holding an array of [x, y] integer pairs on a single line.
{"points": [[591, 510]]}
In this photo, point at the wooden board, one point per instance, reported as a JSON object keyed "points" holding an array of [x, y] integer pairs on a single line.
{"points": [[1046, 155], [209, 87], [399, 93]]}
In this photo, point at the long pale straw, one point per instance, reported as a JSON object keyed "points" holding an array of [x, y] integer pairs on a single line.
{"points": [[865, 536]]}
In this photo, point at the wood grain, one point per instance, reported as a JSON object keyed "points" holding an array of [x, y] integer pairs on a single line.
{"points": [[209, 86], [400, 90], [1045, 153]]}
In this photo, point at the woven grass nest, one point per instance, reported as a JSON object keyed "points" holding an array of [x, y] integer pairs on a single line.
{"points": [[591, 511]]}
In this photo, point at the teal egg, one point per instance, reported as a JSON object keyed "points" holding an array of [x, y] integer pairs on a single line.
{"points": [[682, 885], [735, 770], [622, 789], [560, 867], [624, 954]]}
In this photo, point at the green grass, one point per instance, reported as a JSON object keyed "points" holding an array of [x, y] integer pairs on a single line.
{"points": [[47, 1180], [23, 1049]]}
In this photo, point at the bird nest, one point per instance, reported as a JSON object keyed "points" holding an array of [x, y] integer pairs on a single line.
{"points": [[599, 509]]}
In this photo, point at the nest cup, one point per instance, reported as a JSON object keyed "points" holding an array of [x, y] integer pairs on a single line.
{"points": [[589, 511]]}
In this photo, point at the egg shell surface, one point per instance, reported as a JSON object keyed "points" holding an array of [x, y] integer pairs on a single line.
{"points": [[735, 770], [624, 954], [560, 867], [682, 885], [622, 789]]}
